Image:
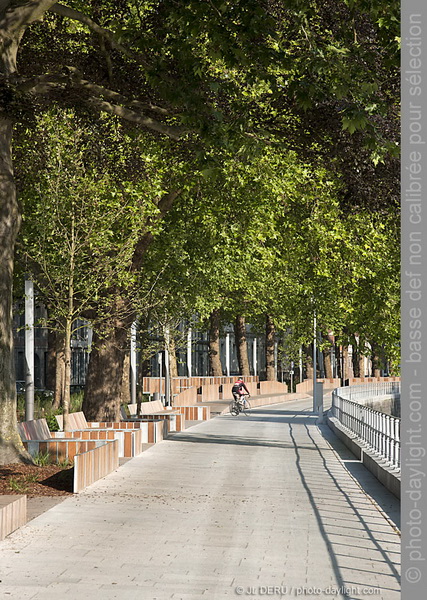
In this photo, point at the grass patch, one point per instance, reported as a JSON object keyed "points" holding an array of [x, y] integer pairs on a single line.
{"points": [[19, 485], [42, 459]]}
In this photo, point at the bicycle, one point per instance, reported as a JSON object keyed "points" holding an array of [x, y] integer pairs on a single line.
{"points": [[241, 405]]}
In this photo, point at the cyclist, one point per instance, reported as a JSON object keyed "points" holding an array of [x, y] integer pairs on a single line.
{"points": [[239, 389]]}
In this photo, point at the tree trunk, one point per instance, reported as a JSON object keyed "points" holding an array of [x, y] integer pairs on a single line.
{"points": [[14, 23], [338, 361], [51, 359], [346, 366], [173, 361], [355, 357], [327, 355], [376, 361], [362, 366], [105, 374], [144, 369], [215, 367], [125, 396], [11, 447], [241, 346], [67, 375], [308, 351], [327, 359], [59, 371], [269, 349]]}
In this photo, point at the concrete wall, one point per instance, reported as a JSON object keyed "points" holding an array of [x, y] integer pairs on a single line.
{"points": [[390, 405], [306, 386]]}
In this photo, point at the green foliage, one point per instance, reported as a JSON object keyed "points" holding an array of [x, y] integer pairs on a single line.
{"points": [[284, 105], [18, 485], [52, 423], [76, 402], [80, 223], [42, 403], [42, 459], [267, 234]]}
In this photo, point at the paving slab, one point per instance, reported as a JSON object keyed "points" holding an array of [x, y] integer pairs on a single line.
{"points": [[268, 504]]}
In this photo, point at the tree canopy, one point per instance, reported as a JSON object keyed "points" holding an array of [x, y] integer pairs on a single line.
{"points": [[195, 83]]}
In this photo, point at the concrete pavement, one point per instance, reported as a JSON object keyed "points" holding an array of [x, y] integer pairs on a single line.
{"points": [[237, 506]]}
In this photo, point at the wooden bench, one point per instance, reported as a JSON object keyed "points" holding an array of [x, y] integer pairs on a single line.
{"points": [[153, 410], [95, 464], [38, 439], [92, 458], [195, 413], [13, 513], [151, 432]]}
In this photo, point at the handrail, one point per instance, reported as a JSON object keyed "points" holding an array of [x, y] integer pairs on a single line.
{"points": [[379, 431], [369, 390]]}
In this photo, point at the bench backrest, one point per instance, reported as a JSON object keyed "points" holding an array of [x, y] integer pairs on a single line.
{"points": [[34, 430], [76, 420], [148, 408]]}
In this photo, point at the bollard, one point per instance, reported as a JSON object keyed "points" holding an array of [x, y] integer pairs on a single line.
{"points": [[319, 401]]}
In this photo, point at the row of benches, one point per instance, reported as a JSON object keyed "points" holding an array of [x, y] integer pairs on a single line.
{"points": [[132, 433], [94, 448]]}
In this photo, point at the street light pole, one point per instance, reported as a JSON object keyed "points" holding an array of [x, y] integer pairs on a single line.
{"points": [[292, 376], [133, 373], [227, 354], [167, 368], [314, 363], [159, 359], [189, 353], [254, 360], [29, 350]]}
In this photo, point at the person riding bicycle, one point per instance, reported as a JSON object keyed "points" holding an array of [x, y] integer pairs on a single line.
{"points": [[239, 389]]}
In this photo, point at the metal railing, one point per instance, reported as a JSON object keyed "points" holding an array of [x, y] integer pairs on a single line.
{"points": [[366, 391], [379, 431]]}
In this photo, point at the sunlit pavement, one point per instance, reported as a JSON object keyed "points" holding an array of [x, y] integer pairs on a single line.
{"points": [[256, 506]]}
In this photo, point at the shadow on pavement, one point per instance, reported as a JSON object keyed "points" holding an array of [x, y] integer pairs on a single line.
{"points": [[347, 520], [365, 533], [385, 499], [209, 438]]}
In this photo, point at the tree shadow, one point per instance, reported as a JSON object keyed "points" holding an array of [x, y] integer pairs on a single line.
{"points": [[343, 495]]}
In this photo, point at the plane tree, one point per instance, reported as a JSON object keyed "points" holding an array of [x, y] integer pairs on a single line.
{"points": [[271, 242], [220, 72], [84, 211]]}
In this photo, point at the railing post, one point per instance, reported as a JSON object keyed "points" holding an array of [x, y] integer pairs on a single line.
{"points": [[388, 438], [378, 435], [397, 434]]}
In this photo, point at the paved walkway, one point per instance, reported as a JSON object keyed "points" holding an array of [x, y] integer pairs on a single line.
{"points": [[238, 506]]}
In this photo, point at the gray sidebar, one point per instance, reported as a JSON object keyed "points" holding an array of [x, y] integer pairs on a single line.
{"points": [[414, 299]]}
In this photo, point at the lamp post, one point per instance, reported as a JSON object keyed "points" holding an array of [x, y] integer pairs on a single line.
{"points": [[133, 373], [227, 354], [291, 373], [314, 362], [167, 368], [189, 354], [317, 387], [159, 360], [29, 350], [254, 349]]}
